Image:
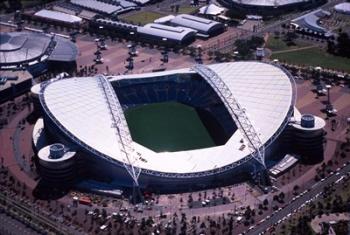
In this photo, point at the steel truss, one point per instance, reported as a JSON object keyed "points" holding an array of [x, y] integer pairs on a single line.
{"points": [[237, 113], [125, 142]]}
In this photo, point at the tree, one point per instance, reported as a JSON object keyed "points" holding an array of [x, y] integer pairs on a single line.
{"points": [[331, 48], [343, 45], [289, 37], [265, 202], [243, 48]]}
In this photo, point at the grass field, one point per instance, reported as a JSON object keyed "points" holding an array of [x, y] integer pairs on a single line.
{"points": [[277, 44], [167, 127], [143, 17], [187, 9], [314, 57]]}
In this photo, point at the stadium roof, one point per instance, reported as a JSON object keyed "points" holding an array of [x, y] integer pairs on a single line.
{"points": [[269, 3], [18, 47], [97, 6], [165, 31], [59, 16], [65, 50], [263, 90], [194, 22], [343, 8], [311, 21], [26, 47], [211, 9], [142, 1]]}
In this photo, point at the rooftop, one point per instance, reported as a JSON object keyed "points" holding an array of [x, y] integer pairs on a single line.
{"points": [[59, 16], [194, 22], [165, 31], [263, 90], [269, 2]]}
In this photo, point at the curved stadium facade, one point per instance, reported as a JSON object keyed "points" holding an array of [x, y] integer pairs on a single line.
{"points": [[87, 114], [270, 7]]}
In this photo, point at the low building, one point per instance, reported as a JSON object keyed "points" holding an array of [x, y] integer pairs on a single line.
{"points": [[205, 27], [343, 8], [14, 83], [269, 7], [36, 52], [212, 10], [310, 23], [170, 34], [58, 16]]}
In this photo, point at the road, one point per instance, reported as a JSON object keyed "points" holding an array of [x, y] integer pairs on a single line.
{"points": [[23, 210], [296, 204]]}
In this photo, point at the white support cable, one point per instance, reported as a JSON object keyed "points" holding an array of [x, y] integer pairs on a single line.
{"points": [[237, 113], [122, 131]]}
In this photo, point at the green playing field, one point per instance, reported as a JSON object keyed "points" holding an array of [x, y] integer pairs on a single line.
{"points": [[168, 127]]}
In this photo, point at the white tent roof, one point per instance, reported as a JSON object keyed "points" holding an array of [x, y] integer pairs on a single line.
{"points": [[164, 19], [211, 9], [60, 16], [263, 90]]}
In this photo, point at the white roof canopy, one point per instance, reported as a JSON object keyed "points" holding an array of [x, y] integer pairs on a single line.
{"points": [[263, 90], [60, 16], [211, 9]]}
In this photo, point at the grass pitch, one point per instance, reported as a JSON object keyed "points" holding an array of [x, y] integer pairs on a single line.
{"points": [[143, 17], [167, 127], [314, 57]]}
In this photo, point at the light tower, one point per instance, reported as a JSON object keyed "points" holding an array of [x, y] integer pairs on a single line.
{"points": [[165, 57], [329, 107]]}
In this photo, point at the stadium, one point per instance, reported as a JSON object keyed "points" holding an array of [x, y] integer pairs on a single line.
{"points": [[177, 130], [270, 7], [36, 52]]}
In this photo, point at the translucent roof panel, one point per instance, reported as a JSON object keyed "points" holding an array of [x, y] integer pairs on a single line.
{"points": [[263, 90], [22, 46], [79, 104]]}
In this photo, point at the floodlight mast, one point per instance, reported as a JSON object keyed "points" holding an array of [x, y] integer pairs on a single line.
{"points": [[130, 159], [237, 113]]}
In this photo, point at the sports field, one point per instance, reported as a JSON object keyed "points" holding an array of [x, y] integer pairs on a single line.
{"points": [[168, 127], [142, 17]]}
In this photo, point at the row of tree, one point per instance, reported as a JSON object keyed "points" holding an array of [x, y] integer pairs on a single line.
{"points": [[341, 46]]}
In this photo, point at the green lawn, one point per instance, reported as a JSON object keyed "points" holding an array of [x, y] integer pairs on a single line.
{"points": [[143, 17], [187, 10], [277, 44], [314, 57], [167, 127]]}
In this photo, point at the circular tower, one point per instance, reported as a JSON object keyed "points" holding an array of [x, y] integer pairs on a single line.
{"points": [[57, 164], [308, 136]]}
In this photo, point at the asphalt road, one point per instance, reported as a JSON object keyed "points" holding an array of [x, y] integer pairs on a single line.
{"points": [[25, 211], [316, 189]]}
